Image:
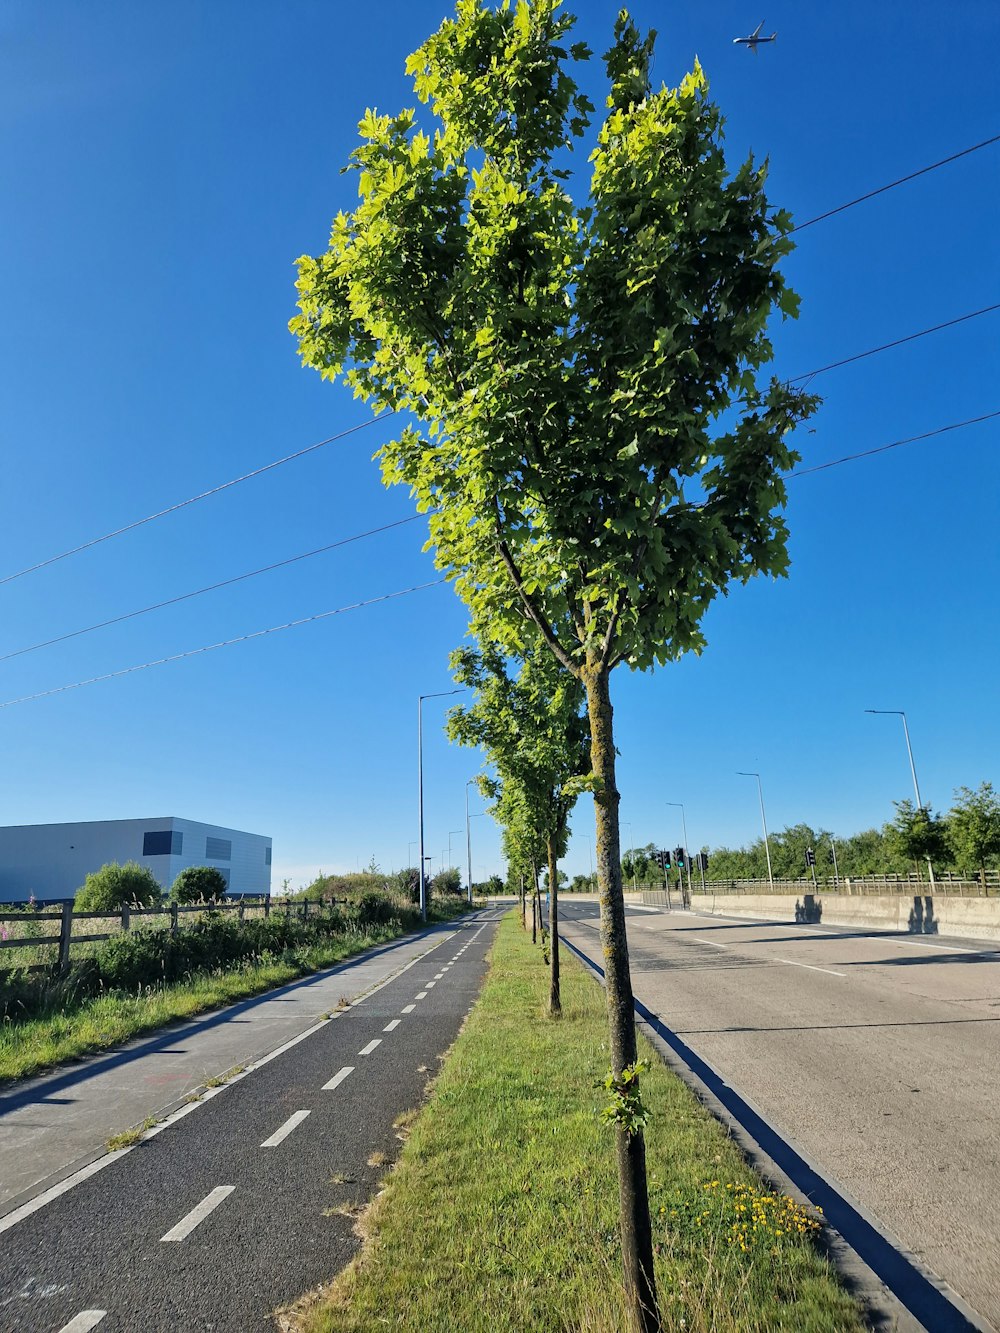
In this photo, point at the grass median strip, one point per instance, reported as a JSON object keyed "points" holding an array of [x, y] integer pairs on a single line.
{"points": [[502, 1211]]}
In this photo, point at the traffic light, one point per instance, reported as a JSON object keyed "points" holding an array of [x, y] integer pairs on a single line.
{"points": [[664, 860], [679, 857], [702, 859], [829, 855], [810, 857]]}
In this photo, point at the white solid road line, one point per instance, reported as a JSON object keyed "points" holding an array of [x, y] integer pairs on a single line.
{"points": [[338, 1078], [944, 948], [696, 940], [391, 1027], [285, 1129], [84, 1321], [367, 1050], [198, 1214], [811, 967], [407, 1008], [421, 995], [633, 907]]}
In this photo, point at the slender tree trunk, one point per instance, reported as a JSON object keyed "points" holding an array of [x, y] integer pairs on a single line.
{"points": [[534, 917], [555, 1003], [636, 1230]]}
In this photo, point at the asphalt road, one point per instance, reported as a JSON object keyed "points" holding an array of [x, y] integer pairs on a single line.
{"points": [[232, 1209], [877, 1054]]}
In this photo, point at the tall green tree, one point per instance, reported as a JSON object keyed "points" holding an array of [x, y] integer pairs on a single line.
{"points": [[973, 830], [533, 729], [590, 430], [916, 834]]}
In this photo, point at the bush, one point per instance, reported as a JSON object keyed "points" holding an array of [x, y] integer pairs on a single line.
{"points": [[115, 886], [198, 884]]}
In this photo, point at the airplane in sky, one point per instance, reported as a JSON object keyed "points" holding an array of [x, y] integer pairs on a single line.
{"points": [[755, 39]]}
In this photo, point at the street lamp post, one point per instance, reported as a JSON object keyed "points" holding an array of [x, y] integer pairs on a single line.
{"points": [[450, 833], [687, 850], [767, 845], [898, 712], [440, 694], [468, 838]]}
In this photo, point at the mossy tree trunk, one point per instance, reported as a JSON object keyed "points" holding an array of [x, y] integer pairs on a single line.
{"points": [[636, 1229]]}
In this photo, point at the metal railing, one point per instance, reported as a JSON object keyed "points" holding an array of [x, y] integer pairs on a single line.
{"points": [[945, 884]]}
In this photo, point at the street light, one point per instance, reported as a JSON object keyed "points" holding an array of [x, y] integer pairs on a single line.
{"points": [[441, 694], [687, 850], [468, 838], [767, 845], [450, 832], [898, 712]]}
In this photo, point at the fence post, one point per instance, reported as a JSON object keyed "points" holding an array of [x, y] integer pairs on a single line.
{"points": [[173, 918], [267, 905], [239, 910], [65, 935], [126, 917], [305, 909]]}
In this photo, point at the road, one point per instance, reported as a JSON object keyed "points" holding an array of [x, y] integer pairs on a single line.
{"points": [[245, 1200], [878, 1055]]}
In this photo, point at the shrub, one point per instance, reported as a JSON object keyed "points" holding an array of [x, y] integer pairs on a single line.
{"points": [[114, 886], [198, 884]]}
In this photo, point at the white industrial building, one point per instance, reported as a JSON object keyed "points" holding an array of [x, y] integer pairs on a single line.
{"points": [[50, 861]]}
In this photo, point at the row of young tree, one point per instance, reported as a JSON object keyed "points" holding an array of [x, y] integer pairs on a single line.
{"points": [[404, 884], [588, 420], [964, 841]]}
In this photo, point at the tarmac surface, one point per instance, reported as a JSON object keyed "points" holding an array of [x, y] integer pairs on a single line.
{"points": [[245, 1199], [876, 1054]]}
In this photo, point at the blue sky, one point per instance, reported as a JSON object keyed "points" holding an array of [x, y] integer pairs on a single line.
{"points": [[164, 166]]}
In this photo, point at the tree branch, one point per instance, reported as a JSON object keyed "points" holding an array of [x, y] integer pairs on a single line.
{"points": [[547, 632]]}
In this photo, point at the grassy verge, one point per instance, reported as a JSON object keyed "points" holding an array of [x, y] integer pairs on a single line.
{"points": [[502, 1211], [32, 1045]]}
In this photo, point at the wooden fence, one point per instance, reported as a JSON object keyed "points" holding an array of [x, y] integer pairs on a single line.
{"points": [[38, 928]]}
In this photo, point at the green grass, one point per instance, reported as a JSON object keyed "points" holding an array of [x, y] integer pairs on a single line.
{"points": [[32, 1045], [502, 1211]]}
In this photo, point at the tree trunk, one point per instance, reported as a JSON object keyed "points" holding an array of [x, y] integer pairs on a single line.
{"points": [[636, 1230], [555, 1004], [534, 917]]}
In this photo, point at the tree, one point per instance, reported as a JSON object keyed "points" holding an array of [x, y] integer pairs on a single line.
{"points": [[973, 830], [916, 834], [587, 428], [116, 886], [535, 735], [199, 884]]}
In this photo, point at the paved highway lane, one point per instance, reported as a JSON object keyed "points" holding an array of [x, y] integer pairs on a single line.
{"points": [[878, 1055], [245, 1202]]}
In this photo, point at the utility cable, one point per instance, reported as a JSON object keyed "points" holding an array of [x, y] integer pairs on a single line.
{"points": [[204, 495], [225, 643], [896, 444], [212, 587], [892, 184], [897, 342]]}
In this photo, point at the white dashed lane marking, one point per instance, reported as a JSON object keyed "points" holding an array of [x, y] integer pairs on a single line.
{"points": [[338, 1078], [84, 1321], [811, 967], [422, 995], [198, 1214], [407, 1008], [285, 1130], [367, 1050], [430, 984], [391, 1027]]}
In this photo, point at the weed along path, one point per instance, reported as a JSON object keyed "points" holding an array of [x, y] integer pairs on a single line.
{"points": [[243, 1199]]}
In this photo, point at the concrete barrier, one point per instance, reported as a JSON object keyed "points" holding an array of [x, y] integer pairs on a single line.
{"points": [[973, 918]]}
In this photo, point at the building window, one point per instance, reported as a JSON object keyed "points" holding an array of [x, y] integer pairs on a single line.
{"points": [[162, 842], [267, 856], [218, 849]]}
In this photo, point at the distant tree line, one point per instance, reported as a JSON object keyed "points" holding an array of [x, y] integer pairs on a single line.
{"points": [[964, 841]]}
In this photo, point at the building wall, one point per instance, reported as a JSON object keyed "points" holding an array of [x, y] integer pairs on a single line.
{"points": [[52, 860]]}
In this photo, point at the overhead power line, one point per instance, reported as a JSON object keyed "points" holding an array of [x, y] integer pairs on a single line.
{"points": [[225, 643], [896, 444], [897, 342], [204, 495], [212, 587], [832, 212]]}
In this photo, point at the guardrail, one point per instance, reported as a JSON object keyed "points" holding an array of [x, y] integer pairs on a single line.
{"points": [[851, 884], [57, 927]]}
